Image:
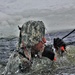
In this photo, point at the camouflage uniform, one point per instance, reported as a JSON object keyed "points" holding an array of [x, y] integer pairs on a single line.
{"points": [[31, 33]]}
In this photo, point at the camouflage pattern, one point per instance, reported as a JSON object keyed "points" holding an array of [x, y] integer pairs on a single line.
{"points": [[31, 33]]}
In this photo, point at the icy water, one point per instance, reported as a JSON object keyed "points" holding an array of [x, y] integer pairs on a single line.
{"points": [[8, 45]]}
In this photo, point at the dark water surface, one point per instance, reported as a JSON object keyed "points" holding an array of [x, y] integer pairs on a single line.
{"points": [[7, 46]]}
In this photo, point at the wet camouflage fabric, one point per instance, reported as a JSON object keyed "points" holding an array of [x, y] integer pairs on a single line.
{"points": [[31, 32]]}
